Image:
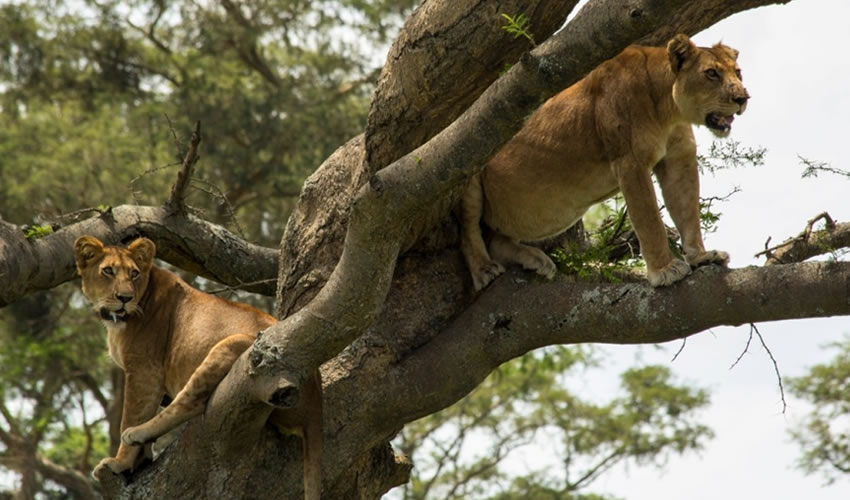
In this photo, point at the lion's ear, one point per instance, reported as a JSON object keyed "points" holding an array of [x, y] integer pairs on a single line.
{"points": [[86, 249], [680, 50], [142, 250]]}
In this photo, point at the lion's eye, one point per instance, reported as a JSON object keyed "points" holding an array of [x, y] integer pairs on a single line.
{"points": [[134, 274], [738, 74], [712, 74], [107, 271]]}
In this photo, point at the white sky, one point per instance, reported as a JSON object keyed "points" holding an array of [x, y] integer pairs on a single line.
{"points": [[797, 70]]}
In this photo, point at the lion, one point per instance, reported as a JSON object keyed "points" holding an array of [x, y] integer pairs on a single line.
{"points": [[171, 339], [606, 134]]}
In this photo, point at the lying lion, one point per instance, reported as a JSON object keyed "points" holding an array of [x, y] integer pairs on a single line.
{"points": [[606, 134], [170, 338]]}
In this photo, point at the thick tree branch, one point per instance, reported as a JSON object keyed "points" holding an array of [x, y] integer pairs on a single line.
{"points": [[190, 243], [514, 317], [416, 78], [422, 88]]}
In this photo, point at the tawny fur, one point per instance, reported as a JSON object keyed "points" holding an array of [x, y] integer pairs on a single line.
{"points": [[607, 134], [170, 338]]}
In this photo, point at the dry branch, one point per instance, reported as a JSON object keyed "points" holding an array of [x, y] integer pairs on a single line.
{"points": [[176, 203], [809, 243]]}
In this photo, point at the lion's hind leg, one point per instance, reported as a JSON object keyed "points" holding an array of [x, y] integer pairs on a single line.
{"points": [[508, 251], [192, 399], [482, 268]]}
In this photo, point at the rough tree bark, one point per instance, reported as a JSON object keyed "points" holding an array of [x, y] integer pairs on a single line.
{"points": [[384, 325]]}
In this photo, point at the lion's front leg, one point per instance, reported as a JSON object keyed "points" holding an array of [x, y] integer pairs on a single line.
{"points": [[678, 176], [192, 399], [142, 394], [662, 268]]}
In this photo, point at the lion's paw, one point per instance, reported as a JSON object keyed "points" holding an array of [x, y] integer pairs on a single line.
{"points": [[108, 465], [486, 273], [709, 257], [136, 436], [676, 270], [540, 263]]}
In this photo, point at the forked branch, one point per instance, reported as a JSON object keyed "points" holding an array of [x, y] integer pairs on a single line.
{"points": [[809, 243]]}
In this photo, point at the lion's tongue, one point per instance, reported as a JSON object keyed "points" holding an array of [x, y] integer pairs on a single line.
{"points": [[729, 119]]}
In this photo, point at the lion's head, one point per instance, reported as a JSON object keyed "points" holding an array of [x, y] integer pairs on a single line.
{"points": [[114, 279], [708, 88]]}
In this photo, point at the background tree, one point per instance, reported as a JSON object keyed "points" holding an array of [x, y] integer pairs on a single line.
{"points": [[525, 399], [92, 93], [382, 319], [824, 435]]}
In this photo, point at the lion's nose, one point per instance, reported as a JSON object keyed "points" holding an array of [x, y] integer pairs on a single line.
{"points": [[124, 298], [741, 100]]}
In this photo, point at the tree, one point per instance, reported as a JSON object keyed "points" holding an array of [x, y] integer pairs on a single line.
{"points": [[355, 293], [525, 399], [823, 435]]}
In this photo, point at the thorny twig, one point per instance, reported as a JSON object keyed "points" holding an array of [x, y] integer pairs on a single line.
{"points": [[176, 201], [746, 348], [216, 192], [681, 348], [241, 285], [754, 328], [775, 367]]}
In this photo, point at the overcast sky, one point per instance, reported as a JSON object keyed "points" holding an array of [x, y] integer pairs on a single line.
{"points": [[796, 67]]}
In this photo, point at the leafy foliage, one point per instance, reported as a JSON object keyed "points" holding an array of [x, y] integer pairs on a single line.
{"points": [[518, 27], [50, 397], [85, 88], [36, 232], [470, 450], [816, 167], [824, 434], [729, 153]]}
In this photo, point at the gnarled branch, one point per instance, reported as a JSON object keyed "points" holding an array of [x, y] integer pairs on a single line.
{"points": [[186, 241]]}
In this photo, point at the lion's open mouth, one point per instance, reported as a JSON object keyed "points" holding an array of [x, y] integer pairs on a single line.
{"points": [[114, 316], [719, 122]]}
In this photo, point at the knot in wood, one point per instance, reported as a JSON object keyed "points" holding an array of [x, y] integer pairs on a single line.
{"points": [[285, 397], [266, 359]]}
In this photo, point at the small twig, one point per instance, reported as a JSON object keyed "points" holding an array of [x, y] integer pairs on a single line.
{"points": [[829, 224], [775, 366], [173, 135], [681, 348], [746, 348], [77, 213], [708, 200], [767, 251], [227, 288], [176, 202], [151, 170], [754, 328], [215, 192]]}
